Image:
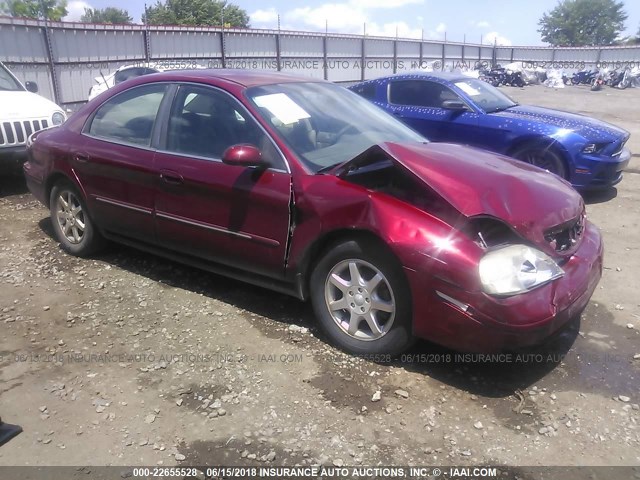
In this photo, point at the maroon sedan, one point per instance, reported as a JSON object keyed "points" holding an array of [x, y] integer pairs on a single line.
{"points": [[305, 188]]}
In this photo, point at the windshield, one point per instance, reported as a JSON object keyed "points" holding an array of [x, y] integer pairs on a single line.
{"points": [[325, 124], [486, 96], [7, 82]]}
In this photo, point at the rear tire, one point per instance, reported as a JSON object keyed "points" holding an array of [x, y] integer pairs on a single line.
{"points": [[542, 156], [361, 299], [72, 222]]}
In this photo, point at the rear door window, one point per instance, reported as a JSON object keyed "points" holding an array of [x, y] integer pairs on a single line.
{"points": [[130, 116]]}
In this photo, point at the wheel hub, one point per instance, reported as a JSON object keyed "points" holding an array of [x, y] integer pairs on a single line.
{"points": [[359, 299]]}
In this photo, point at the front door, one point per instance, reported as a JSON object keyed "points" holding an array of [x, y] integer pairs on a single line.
{"points": [[420, 104], [233, 215]]}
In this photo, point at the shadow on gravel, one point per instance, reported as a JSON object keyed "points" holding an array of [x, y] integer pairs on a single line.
{"points": [[12, 184], [600, 196], [596, 360], [593, 355], [491, 376], [256, 300]]}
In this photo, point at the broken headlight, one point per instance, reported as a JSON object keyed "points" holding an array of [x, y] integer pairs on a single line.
{"points": [[515, 269]]}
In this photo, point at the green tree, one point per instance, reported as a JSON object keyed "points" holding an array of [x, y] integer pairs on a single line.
{"points": [[196, 12], [106, 15], [49, 9], [577, 23]]}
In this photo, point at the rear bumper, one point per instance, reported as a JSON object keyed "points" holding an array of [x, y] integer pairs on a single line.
{"points": [[477, 322], [35, 182]]}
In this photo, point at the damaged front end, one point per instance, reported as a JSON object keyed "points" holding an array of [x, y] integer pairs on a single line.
{"points": [[517, 261]]}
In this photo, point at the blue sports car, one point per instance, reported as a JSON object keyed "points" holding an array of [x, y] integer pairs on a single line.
{"points": [[458, 109]]}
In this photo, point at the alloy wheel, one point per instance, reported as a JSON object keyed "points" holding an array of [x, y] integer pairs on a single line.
{"points": [[70, 217], [360, 300]]}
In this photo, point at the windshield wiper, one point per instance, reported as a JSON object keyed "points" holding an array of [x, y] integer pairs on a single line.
{"points": [[502, 109], [329, 167]]}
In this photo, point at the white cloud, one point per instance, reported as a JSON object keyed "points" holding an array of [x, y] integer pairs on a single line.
{"points": [[436, 34], [264, 16], [364, 4], [483, 24], [495, 37], [389, 30], [351, 17], [340, 17], [75, 10]]}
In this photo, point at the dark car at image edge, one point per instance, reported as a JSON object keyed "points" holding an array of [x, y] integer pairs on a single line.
{"points": [[306, 188]]}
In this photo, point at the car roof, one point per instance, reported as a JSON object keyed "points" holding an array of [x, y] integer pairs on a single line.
{"points": [[246, 78], [418, 74]]}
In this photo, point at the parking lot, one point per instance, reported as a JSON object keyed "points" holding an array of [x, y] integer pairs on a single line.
{"points": [[130, 359]]}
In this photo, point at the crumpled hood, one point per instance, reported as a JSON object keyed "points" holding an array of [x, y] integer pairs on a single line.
{"points": [[24, 105], [551, 120], [476, 182]]}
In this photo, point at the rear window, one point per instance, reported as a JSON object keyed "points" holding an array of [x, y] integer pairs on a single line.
{"points": [[129, 116]]}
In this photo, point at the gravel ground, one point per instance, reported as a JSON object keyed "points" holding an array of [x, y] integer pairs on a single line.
{"points": [[129, 359]]}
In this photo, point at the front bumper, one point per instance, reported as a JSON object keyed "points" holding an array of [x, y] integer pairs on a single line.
{"points": [[477, 322], [598, 171]]}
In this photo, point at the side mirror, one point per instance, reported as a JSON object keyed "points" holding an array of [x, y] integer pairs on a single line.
{"points": [[31, 86], [243, 156], [454, 105]]}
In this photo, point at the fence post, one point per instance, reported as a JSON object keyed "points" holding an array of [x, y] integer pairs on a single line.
{"points": [[363, 56], [54, 76], [395, 55], [511, 61], [223, 55], [145, 38], [278, 50], [443, 56], [325, 67]]}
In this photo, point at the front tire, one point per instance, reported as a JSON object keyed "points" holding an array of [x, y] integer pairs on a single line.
{"points": [[361, 299], [71, 221], [542, 156]]}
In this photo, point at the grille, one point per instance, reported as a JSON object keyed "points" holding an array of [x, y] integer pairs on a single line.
{"points": [[564, 237], [16, 133]]}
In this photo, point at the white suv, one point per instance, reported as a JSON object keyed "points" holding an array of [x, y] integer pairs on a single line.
{"points": [[22, 113]]}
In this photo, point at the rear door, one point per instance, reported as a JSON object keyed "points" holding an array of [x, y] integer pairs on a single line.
{"points": [[229, 214], [115, 162]]}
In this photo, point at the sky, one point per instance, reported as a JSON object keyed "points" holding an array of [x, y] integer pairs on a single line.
{"points": [[507, 23]]}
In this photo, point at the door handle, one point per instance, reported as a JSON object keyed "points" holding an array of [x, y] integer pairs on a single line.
{"points": [[81, 157], [170, 177]]}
